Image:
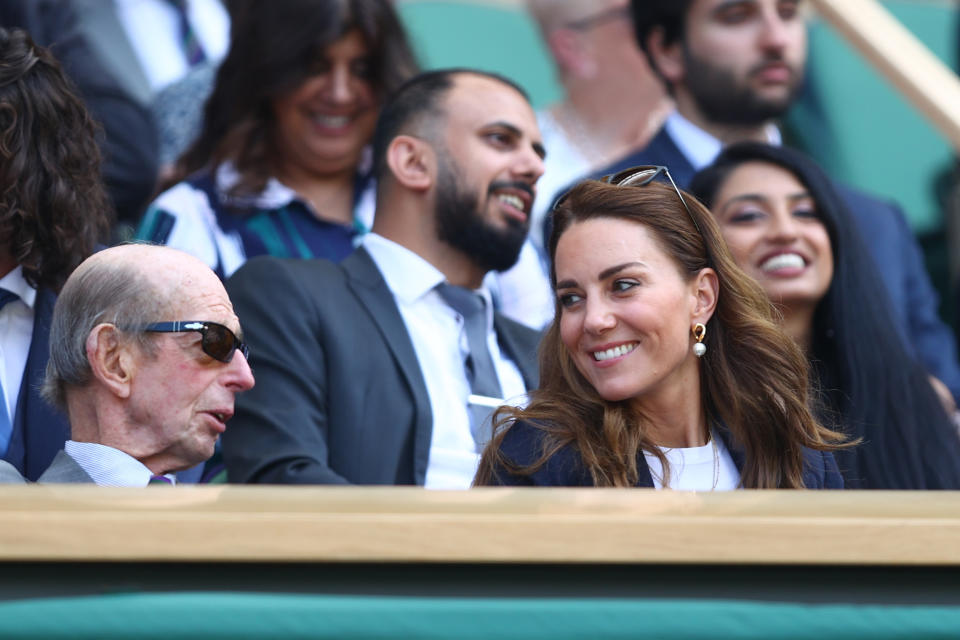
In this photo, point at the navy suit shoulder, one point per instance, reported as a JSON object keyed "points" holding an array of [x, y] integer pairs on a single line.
{"points": [[522, 445], [39, 429]]}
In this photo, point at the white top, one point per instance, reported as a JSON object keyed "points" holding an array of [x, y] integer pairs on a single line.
{"points": [[110, 467], [16, 333], [153, 29], [436, 332], [705, 468], [699, 147]]}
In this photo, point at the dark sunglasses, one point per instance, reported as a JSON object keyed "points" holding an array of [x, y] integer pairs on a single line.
{"points": [[216, 340]]}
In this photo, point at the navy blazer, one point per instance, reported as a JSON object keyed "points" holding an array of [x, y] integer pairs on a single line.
{"points": [[888, 238], [523, 441], [39, 430]]}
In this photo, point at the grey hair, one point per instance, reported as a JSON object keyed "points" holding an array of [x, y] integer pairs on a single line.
{"points": [[103, 291]]}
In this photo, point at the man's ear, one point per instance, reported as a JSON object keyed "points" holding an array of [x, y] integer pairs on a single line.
{"points": [[111, 359], [668, 60], [706, 291], [567, 49], [412, 161]]}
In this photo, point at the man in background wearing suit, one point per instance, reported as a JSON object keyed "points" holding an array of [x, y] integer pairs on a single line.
{"points": [[146, 359], [733, 68], [53, 211], [383, 369]]}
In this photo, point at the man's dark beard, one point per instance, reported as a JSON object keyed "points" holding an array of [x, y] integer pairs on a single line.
{"points": [[461, 225], [722, 100]]}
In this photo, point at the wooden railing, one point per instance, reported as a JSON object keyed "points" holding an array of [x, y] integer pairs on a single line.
{"points": [[355, 524], [899, 56]]}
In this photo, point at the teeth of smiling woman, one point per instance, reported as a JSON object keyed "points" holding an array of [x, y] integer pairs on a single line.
{"points": [[614, 352], [783, 261], [513, 201], [331, 121]]}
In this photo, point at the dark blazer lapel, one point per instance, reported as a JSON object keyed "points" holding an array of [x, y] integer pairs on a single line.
{"points": [[39, 430], [371, 290], [663, 150]]}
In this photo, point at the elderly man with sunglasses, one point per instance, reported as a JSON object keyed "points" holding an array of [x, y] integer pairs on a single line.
{"points": [[146, 360]]}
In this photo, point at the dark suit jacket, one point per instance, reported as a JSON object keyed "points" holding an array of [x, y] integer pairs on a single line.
{"points": [[888, 237], [39, 430], [522, 446], [64, 469], [339, 396]]}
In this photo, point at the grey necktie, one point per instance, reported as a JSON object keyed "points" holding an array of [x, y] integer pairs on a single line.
{"points": [[481, 372]]}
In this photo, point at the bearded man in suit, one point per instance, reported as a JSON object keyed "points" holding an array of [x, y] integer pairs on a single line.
{"points": [[383, 369]]}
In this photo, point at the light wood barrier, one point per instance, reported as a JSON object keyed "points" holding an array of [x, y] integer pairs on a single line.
{"points": [[395, 524], [891, 548], [898, 55]]}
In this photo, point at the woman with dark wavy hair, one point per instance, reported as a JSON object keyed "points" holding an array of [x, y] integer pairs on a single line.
{"points": [[53, 211], [787, 227], [53, 207], [665, 367], [282, 165]]}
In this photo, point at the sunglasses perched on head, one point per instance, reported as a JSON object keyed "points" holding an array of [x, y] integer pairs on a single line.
{"points": [[644, 175], [216, 340]]}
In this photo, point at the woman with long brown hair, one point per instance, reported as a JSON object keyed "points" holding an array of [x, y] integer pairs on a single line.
{"points": [[665, 366]]}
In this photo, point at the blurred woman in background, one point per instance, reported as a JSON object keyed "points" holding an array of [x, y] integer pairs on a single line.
{"points": [[788, 229], [282, 164]]}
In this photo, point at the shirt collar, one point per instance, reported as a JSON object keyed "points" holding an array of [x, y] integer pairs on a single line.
{"points": [[109, 467], [408, 276], [15, 283], [274, 195], [702, 148]]}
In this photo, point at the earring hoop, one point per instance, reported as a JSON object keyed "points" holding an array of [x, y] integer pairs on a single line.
{"points": [[699, 333]]}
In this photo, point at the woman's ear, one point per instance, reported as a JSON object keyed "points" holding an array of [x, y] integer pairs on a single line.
{"points": [[706, 291], [412, 162], [111, 359]]}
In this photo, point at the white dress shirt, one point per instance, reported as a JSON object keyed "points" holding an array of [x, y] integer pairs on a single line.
{"points": [[16, 333], [153, 28], [438, 340], [110, 467], [699, 147]]}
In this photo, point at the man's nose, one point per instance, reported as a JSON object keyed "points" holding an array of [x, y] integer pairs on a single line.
{"points": [[240, 376]]}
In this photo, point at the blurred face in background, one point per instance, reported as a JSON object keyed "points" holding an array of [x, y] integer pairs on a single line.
{"points": [[323, 125], [744, 60], [775, 233]]}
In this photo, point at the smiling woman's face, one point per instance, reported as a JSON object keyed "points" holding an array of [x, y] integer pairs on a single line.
{"points": [[626, 312], [775, 233], [323, 125]]}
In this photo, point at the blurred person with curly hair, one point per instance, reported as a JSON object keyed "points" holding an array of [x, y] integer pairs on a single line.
{"points": [[53, 212]]}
